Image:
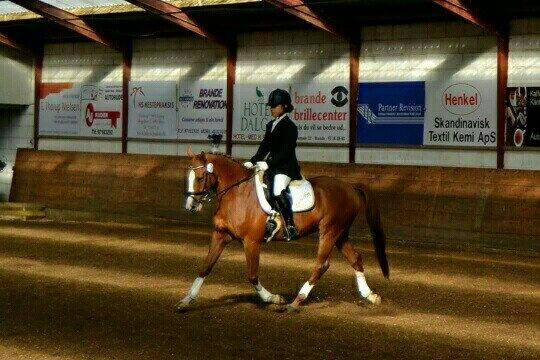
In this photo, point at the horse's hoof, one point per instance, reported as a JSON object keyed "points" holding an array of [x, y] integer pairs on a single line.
{"points": [[278, 300], [292, 309], [373, 298], [182, 306]]}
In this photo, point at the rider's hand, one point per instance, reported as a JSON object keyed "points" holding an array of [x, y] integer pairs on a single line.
{"points": [[262, 165], [249, 164]]}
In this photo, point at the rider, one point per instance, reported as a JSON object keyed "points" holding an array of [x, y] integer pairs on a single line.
{"points": [[279, 143]]}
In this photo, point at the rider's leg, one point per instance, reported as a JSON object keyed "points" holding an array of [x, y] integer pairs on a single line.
{"points": [[283, 202]]}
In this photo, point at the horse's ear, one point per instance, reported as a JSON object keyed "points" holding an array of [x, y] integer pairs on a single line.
{"points": [[190, 152]]}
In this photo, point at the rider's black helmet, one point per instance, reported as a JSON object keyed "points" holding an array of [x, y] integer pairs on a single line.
{"points": [[280, 97]]}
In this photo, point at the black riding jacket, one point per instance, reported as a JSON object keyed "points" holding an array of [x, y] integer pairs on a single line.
{"points": [[280, 145]]}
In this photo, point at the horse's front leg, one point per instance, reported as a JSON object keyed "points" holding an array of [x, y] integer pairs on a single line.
{"points": [[252, 249], [219, 241]]}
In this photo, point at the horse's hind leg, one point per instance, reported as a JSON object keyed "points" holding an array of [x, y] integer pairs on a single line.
{"points": [[326, 243], [355, 259]]}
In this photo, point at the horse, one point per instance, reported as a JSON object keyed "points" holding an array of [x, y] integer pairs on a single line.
{"points": [[238, 216]]}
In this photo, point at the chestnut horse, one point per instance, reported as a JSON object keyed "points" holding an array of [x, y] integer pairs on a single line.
{"points": [[240, 217]]}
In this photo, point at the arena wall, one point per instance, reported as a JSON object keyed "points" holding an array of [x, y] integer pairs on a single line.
{"points": [[436, 206]]}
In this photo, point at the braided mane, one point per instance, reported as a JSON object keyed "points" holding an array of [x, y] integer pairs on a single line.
{"points": [[228, 157]]}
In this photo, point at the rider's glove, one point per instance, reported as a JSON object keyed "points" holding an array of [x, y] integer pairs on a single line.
{"points": [[249, 164], [262, 165]]}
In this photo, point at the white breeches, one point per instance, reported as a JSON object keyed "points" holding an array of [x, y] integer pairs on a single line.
{"points": [[281, 182]]}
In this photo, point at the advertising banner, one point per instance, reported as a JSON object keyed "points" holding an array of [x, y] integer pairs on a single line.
{"points": [[250, 114], [59, 109], [522, 116], [152, 110], [170, 111], [101, 110], [321, 112], [81, 110], [461, 113], [391, 113], [202, 110]]}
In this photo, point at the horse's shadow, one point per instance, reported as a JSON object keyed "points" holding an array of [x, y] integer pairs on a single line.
{"points": [[254, 301], [235, 300]]}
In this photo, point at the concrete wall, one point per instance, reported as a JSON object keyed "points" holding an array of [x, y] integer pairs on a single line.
{"points": [[421, 52], [389, 53], [296, 57], [435, 206], [176, 59], [16, 72], [16, 110], [16, 102], [81, 63]]}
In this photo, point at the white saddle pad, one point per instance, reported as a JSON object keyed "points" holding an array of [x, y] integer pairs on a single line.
{"points": [[303, 197]]}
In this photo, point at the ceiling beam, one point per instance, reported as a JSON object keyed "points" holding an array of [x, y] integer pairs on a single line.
{"points": [[301, 10], [462, 9], [177, 16], [12, 43], [68, 20]]}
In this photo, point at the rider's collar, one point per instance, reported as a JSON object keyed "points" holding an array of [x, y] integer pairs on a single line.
{"points": [[277, 120]]}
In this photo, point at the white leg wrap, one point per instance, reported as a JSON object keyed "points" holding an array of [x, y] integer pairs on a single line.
{"points": [[363, 287], [195, 287], [264, 294], [305, 290]]}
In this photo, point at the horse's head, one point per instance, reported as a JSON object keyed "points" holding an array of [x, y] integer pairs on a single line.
{"points": [[201, 180]]}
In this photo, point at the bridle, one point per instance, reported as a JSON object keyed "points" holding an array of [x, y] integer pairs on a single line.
{"points": [[208, 194], [205, 193]]}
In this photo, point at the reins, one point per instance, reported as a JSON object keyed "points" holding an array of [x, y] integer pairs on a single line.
{"points": [[206, 194]]}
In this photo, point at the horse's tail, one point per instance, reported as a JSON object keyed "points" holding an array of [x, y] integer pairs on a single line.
{"points": [[373, 217]]}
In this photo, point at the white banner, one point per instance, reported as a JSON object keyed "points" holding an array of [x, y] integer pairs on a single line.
{"points": [[202, 110], [152, 110], [460, 113], [168, 110], [81, 110], [321, 112], [59, 109], [250, 114], [101, 110]]}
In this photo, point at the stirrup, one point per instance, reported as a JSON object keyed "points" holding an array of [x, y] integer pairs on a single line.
{"points": [[271, 228]]}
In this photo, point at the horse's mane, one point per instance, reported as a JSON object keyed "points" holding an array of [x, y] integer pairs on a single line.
{"points": [[228, 157]]}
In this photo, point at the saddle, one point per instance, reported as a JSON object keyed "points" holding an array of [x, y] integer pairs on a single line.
{"points": [[300, 192]]}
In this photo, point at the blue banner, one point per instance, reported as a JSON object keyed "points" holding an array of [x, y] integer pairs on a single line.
{"points": [[391, 113]]}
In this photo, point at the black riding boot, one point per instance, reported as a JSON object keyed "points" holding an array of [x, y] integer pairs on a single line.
{"points": [[284, 206]]}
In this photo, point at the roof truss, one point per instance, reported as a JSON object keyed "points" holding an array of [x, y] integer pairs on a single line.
{"points": [[66, 19]]}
